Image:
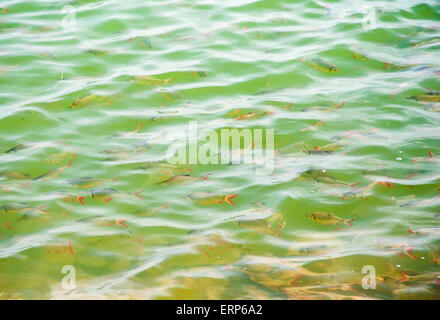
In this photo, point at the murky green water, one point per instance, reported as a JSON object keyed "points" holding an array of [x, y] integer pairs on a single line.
{"points": [[350, 88]]}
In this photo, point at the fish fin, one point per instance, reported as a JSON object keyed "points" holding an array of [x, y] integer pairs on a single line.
{"points": [[347, 222], [295, 279], [205, 177], [79, 199], [139, 127], [115, 178], [408, 253], [136, 194], [69, 247], [42, 210], [404, 277], [122, 222], [229, 197], [70, 163]]}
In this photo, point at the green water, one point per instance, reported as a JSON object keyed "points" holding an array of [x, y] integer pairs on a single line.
{"points": [[350, 139]]}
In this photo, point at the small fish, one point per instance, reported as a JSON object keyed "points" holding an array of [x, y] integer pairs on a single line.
{"points": [[308, 250], [199, 74], [13, 175], [361, 56], [143, 41], [431, 157], [13, 187], [104, 221], [21, 208], [425, 231], [435, 107], [323, 108], [55, 172], [313, 126], [82, 102], [98, 52], [90, 182], [47, 54], [19, 147], [150, 80], [400, 248], [66, 196], [253, 115], [5, 69], [57, 158], [183, 179], [108, 194], [147, 211], [208, 198], [422, 43], [262, 219], [318, 151], [321, 176], [431, 96], [170, 96], [129, 133], [326, 218], [124, 153], [323, 65]]}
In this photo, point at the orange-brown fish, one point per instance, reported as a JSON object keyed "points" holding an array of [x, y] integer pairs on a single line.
{"points": [[108, 194], [183, 180], [148, 80], [327, 217], [21, 208], [208, 198], [54, 172], [13, 175], [90, 182]]}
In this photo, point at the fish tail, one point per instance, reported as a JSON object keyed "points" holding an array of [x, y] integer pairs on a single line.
{"points": [[431, 155], [164, 206], [411, 232], [409, 254], [63, 142], [137, 194], [292, 282], [79, 199], [69, 247], [205, 177], [354, 184], [340, 105], [404, 277], [229, 197], [347, 222], [42, 209], [70, 163], [139, 127], [121, 222]]}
